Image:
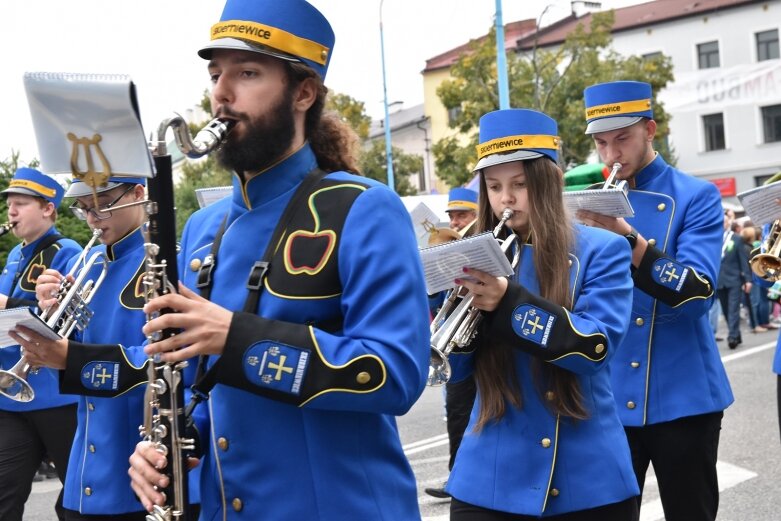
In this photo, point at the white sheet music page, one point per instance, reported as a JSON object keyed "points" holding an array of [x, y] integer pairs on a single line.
{"points": [[10, 318], [444, 263], [605, 201], [760, 203], [207, 196], [423, 216]]}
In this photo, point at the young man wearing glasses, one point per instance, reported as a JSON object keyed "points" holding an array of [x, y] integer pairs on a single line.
{"points": [[108, 377], [45, 425]]}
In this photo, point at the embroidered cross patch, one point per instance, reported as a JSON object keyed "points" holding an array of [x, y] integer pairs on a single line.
{"points": [[532, 323], [669, 274], [100, 376], [276, 366]]}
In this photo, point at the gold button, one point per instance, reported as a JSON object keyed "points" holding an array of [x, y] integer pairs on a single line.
{"points": [[237, 504], [195, 264], [599, 348], [635, 364], [661, 207], [545, 443], [91, 406], [570, 262], [91, 448], [88, 491], [652, 242], [554, 492], [550, 395], [222, 443], [363, 377], [630, 405], [324, 54], [639, 321]]}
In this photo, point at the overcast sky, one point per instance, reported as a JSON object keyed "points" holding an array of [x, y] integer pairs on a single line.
{"points": [[155, 42]]}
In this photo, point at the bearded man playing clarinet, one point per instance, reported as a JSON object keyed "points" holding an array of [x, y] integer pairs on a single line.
{"points": [[315, 325]]}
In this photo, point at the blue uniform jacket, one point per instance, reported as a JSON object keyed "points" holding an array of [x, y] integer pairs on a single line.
{"points": [[107, 430], [669, 366], [44, 382], [337, 456], [532, 462]]}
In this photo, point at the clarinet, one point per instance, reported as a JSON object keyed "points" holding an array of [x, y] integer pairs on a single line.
{"points": [[164, 412]]}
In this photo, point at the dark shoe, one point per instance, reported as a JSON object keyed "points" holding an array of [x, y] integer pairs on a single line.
{"points": [[732, 343], [719, 339], [437, 492], [38, 477], [51, 472]]}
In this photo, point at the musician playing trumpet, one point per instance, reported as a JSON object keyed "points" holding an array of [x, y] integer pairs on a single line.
{"points": [[103, 367], [544, 438], [44, 425]]}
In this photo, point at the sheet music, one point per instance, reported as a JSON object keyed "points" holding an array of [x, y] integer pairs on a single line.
{"points": [[101, 109], [760, 203], [10, 318], [444, 263], [604, 201], [207, 196], [422, 216]]}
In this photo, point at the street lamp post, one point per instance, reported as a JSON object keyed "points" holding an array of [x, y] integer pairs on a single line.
{"points": [[388, 153], [501, 60]]}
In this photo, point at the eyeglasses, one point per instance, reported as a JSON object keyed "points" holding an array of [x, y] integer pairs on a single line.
{"points": [[102, 212]]}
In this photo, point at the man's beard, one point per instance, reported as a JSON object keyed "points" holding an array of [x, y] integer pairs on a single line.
{"points": [[264, 141]]}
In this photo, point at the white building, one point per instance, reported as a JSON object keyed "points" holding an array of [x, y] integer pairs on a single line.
{"points": [[725, 101]]}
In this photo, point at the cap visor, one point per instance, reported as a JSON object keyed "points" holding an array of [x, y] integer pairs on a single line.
{"points": [[608, 124], [241, 45], [81, 189], [20, 190], [498, 159]]}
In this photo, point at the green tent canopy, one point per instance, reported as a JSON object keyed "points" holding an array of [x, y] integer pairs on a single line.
{"points": [[583, 176]]}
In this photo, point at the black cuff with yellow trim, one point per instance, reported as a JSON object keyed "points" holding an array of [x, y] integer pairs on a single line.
{"points": [[540, 328], [99, 370], [13, 302], [279, 360], [668, 280]]}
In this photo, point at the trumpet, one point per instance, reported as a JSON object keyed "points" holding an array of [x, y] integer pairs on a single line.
{"points": [[5, 228], [768, 265], [70, 311], [456, 324]]}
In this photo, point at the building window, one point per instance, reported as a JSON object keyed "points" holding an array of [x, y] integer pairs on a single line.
{"points": [[651, 56], [771, 123], [708, 55], [767, 45], [713, 124]]}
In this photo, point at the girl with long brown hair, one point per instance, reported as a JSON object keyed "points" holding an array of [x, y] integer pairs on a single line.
{"points": [[544, 438]]}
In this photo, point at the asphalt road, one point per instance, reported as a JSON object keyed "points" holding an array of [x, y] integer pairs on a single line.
{"points": [[749, 453]]}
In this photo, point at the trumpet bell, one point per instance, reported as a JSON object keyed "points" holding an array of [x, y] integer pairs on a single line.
{"points": [[438, 369], [15, 387], [442, 235], [766, 266]]}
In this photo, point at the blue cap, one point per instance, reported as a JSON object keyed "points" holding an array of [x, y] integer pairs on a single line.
{"points": [[291, 30], [29, 181], [516, 135], [462, 199], [80, 189], [618, 104]]}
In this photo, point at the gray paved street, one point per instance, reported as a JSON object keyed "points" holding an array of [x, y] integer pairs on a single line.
{"points": [[750, 450]]}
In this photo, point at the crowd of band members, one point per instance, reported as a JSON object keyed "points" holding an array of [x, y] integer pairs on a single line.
{"points": [[592, 361]]}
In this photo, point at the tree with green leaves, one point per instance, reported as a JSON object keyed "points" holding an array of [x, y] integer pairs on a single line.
{"points": [[550, 80]]}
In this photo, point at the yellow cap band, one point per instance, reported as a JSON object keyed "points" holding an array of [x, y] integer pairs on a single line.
{"points": [[510, 143], [616, 109], [31, 185], [272, 37], [467, 204]]}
